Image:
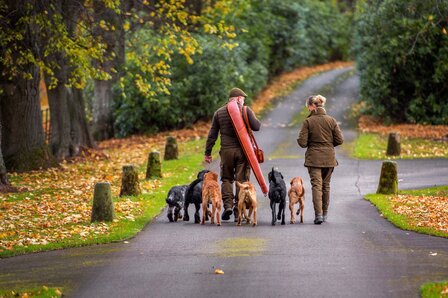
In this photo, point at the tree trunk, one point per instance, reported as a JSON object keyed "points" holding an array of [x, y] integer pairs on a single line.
{"points": [[81, 135], [5, 186], [103, 121], [68, 117], [23, 139], [59, 113]]}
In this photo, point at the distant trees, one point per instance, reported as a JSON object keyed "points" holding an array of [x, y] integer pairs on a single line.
{"points": [[69, 43], [402, 53], [268, 37]]}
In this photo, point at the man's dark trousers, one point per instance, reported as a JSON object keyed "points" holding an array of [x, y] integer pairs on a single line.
{"points": [[234, 166]]}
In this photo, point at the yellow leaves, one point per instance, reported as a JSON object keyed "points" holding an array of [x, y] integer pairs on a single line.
{"points": [[211, 29], [444, 31], [126, 26], [370, 124], [219, 271], [423, 211], [103, 25]]}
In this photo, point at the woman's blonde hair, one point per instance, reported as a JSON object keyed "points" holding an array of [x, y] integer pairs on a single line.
{"points": [[317, 100]]}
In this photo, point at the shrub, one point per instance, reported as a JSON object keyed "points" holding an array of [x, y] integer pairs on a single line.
{"points": [[402, 49]]}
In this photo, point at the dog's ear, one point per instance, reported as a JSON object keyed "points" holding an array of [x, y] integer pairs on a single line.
{"points": [[292, 180], [270, 176], [281, 175]]}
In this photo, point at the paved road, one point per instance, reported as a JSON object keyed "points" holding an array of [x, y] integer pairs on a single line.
{"points": [[356, 253]]}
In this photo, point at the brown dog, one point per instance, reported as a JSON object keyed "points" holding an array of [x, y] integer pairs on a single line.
{"points": [[296, 194], [247, 198], [211, 194]]}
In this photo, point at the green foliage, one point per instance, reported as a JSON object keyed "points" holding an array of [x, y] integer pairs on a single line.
{"points": [[434, 290], [30, 34], [36, 292], [308, 33], [271, 37], [402, 49]]}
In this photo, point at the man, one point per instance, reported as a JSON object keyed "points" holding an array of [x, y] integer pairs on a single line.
{"points": [[320, 133], [234, 165]]}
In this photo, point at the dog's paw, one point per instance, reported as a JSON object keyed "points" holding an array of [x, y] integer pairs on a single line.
{"points": [[283, 223], [291, 222], [273, 223], [170, 218], [255, 224]]}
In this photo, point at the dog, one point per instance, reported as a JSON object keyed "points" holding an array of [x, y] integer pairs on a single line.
{"points": [[277, 195], [247, 199], [211, 193], [296, 194], [175, 200], [194, 196]]}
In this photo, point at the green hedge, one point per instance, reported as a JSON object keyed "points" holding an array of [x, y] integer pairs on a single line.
{"points": [[272, 36], [402, 54]]}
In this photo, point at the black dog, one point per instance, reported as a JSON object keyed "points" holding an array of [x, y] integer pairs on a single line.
{"points": [[175, 201], [194, 196], [277, 195]]}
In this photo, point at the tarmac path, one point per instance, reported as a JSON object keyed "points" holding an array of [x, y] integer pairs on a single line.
{"points": [[357, 253]]}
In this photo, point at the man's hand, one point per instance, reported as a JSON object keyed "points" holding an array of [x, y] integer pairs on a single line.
{"points": [[208, 158]]}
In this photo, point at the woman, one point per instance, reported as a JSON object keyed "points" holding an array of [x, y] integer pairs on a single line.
{"points": [[320, 133]]}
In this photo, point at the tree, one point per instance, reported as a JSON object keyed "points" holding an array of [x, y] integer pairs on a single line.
{"points": [[402, 49], [109, 28], [52, 38], [68, 120], [23, 145]]}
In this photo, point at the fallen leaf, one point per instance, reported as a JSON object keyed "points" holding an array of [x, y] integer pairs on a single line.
{"points": [[219, 271]]}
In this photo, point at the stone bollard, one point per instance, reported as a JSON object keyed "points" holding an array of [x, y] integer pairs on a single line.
{"points": [[154, 167], [171, 149], [103, 207], [393, 144], [388, 183], [129, 181]]}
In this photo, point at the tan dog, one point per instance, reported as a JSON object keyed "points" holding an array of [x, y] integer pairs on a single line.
{"points": [[296, 194], [247, 198], [211, 194]]}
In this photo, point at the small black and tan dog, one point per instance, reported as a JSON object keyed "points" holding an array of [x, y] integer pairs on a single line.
{"points": [[277, 195], [175, 200], [194, 196]]}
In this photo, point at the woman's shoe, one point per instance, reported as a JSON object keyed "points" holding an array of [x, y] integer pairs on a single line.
{"points": [[318, 220]]}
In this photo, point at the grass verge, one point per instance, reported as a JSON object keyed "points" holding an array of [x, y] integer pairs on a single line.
{"points": [[434, 290], [128, 224], [373, 146], [37, 292], [415, 210]]}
